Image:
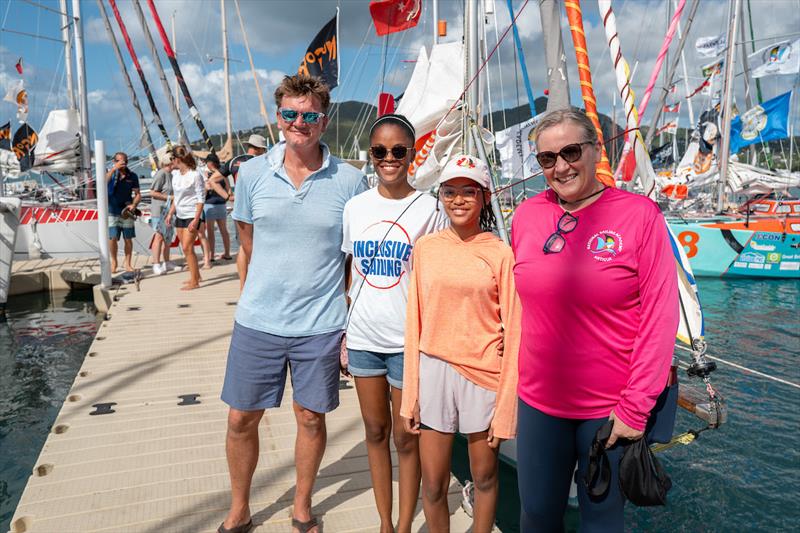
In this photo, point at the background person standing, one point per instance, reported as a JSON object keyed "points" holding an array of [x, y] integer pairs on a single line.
{"points": [[160, 194], [123, 197]]}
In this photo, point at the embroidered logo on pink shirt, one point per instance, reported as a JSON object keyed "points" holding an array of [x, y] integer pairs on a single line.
{"points": [[605, 245]]}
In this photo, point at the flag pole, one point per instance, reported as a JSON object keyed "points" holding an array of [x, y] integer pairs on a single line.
{"points": [[727, 105]]}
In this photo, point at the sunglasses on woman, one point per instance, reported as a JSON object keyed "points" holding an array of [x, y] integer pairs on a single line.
{"points": [[570, 153], [309, 117], [555, 242], [380, 152]]}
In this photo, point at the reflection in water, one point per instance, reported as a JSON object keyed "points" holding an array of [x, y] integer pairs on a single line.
{"points": [[42, 347]]}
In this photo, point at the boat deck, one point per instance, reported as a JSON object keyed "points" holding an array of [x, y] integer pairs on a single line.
{"points": [[35, 275], [157, 462]]}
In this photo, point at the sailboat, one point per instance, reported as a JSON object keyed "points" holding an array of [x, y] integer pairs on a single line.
{"points": [[759, 238]]}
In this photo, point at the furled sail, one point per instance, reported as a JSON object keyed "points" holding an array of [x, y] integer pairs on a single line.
{"points": [[58, 149]]}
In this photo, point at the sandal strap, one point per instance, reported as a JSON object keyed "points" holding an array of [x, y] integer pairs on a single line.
{"points": [[305, 527]]}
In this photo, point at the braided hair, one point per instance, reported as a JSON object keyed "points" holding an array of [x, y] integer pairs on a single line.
{"points": [[487, 219]]}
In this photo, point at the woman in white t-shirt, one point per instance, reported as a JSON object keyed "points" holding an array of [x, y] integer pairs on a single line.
{"points": [[381, 226], [187, 206]]}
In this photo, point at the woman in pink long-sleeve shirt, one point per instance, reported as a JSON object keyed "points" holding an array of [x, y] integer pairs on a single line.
{"points": [[597, 282]]}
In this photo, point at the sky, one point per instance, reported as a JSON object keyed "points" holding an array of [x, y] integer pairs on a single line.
{"points": [[280, 30]]}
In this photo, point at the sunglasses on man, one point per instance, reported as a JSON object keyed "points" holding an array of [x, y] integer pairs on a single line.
{"points": [[570, 153], [309, 117], [380, 152]]}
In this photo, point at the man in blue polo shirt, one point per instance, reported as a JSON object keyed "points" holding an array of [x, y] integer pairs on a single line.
{"points": [[123, 197], [288, 210]]}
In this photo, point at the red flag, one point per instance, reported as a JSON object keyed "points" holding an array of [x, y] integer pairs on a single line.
{"points": [[673, 108], [628, 166], [391, 16], [19, 66], [385, 104]]}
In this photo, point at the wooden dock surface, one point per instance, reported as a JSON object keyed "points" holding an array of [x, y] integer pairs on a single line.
{"points": [[156, 466]]}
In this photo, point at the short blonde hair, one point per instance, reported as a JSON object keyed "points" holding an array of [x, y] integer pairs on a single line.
{"points": [[559, 116], [303, 85]]}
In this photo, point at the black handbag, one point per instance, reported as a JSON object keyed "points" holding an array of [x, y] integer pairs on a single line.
{"points": [[642, 477]]}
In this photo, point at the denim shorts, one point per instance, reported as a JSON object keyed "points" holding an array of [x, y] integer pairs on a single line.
{"points": [[364, 364], [160, 227], [255, 375], [215, 211], [120, 226]]}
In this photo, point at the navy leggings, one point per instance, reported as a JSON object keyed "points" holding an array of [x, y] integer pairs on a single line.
{"points": [[547, 448]]}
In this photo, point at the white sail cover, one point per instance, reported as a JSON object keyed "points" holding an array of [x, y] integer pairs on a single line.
{"points": [[58, 149], [435, 85], [748, 179], [9, 165]]}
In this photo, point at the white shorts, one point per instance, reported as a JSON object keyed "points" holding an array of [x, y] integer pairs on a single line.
{"points": [[449, 402]]}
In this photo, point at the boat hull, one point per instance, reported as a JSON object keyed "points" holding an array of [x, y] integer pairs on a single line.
{"points": [[734, 248], [67, 232]]}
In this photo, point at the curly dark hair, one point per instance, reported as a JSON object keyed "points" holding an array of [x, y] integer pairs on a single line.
{"points": [[487, 219]]}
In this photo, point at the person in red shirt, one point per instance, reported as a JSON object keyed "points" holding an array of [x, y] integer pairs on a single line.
{"points": [[596, 278]]}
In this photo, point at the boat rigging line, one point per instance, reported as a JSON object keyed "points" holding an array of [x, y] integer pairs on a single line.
{"points": [[749, 370], [139, 70], [177, 70]]}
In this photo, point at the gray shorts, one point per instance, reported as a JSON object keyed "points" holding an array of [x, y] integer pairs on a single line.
{"points": [[255, 376], [449, 402]]}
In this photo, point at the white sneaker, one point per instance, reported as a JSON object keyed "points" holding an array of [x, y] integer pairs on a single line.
{"points": [[159, 269], [171, 267]]}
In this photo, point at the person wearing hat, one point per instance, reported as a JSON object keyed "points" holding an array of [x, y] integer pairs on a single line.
{"points": [[462, 306], [214, 210]]}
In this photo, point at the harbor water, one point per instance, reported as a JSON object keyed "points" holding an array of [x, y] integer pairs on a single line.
{"points": [[738, 478], [42, 347]]}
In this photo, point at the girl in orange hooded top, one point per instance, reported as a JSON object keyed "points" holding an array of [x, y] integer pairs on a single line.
{"points": [[461, 344]]}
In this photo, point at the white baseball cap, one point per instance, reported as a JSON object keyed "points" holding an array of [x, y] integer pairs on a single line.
{"points": [[465, 166]]}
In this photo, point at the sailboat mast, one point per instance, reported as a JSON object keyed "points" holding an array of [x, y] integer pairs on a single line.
{"points": [[670, 74], [175, 49], [727, 106], [83, 101], [228, 126], [557, 81], [262, 107], [143, 124], [473, 63], [435, 21], [182, 137], [67, 53]]}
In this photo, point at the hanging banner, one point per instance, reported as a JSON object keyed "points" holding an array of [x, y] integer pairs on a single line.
{"points": [[662, 156], [390, 16], [766, 122], [710, 46], [714, 72], [322, 57], [18, 96], [517, 148], [779, 58], [672, 108], [670, 127], [24, 142], [5, 136]]}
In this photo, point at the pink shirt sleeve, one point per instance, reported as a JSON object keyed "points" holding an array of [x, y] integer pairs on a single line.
{"points": [[654, 343]]}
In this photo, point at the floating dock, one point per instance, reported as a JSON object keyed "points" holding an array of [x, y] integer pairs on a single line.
{"points": [[139, 444]]}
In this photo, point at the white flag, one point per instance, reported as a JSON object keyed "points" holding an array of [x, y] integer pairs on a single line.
{"points": [[779, 58], [710, 46], [517, 148]]}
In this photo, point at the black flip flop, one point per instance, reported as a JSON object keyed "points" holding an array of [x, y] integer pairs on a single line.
{"points": [[242, 528], [305, 527]]}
